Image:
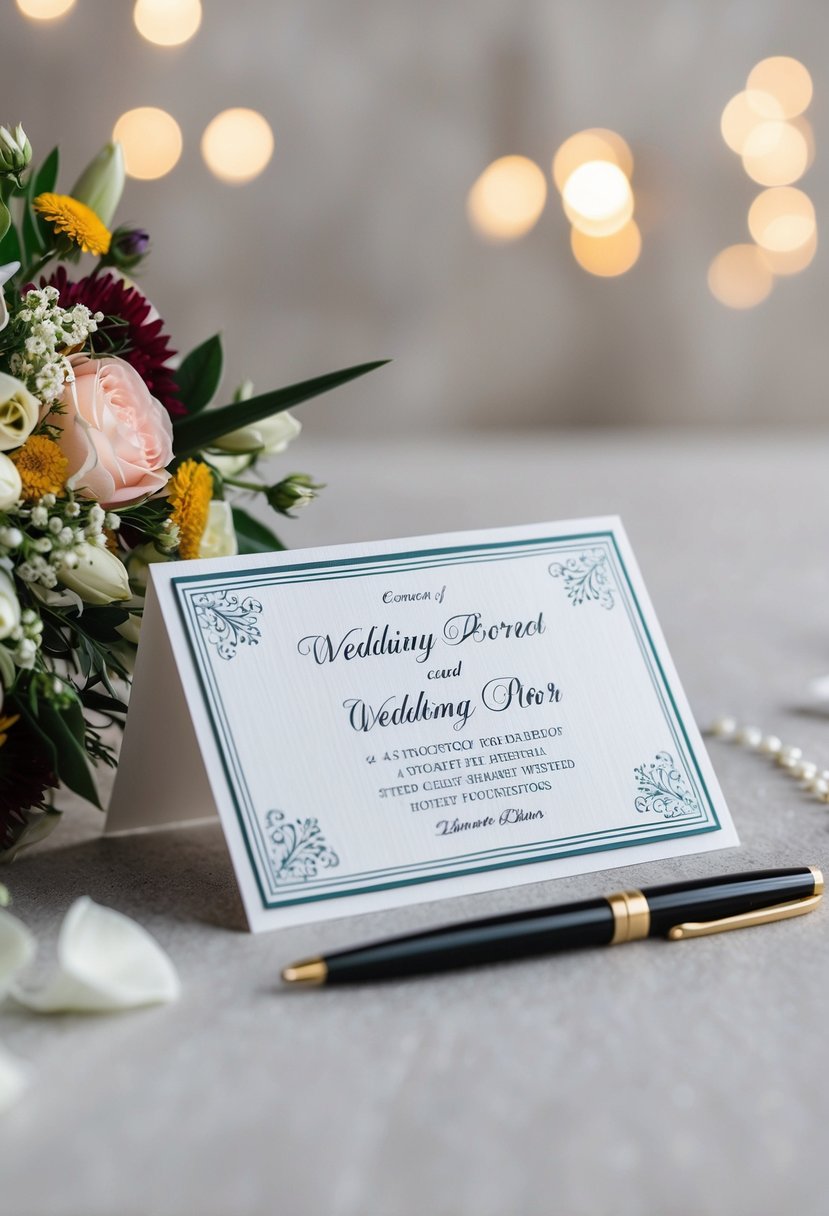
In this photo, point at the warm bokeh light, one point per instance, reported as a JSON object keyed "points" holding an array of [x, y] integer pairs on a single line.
{"points": [[739, 277], [607, 256], [151, 139], [743, 113], [786, 79], [805, 128], [597, 198], [596, 143], [794, 261], [167, 22], [44, 10], [237, 145], [775, 154], [781, 219], [507, 199]]}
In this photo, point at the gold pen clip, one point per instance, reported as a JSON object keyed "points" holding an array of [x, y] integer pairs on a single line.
{"points": [[760, 916]]}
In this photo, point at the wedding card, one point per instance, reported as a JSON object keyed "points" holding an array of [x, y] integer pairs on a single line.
{"points": [[403, 721]]}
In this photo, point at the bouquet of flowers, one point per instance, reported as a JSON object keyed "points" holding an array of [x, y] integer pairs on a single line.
{"points": [[109, 460]]}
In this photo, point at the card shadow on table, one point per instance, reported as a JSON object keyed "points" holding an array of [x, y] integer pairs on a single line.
{"points": [[182, 873]]}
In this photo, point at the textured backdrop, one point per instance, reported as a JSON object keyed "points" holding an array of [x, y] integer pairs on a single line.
{"points": [[354, 243]]}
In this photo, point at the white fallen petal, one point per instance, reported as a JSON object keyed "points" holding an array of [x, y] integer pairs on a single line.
{"points": [[17, 948], [14, 1079], [106, 961]]}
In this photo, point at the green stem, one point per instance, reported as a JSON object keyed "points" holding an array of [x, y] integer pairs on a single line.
{"points": [[29, 273], [255, 486]]}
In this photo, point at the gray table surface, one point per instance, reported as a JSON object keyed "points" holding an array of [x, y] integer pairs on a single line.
{"points": [[660, 1078]]}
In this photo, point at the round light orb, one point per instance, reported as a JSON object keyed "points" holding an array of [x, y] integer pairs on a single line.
{"points": [[44, 10], [786, 79], [167, 22], [507, 199], [237, 145], [743, 113], [607, 256], [597, 198], [151, 140], [775, 153], [781, 219], [739, 277], [793, 262], [596, 143], [802, 124]]}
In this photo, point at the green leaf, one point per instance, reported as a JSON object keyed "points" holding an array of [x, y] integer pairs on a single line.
{"points": [[5, 219], [252, 536], [10, 247], [195, 432], [97, 701], [67, 729], [37, 234], [199, 375]]}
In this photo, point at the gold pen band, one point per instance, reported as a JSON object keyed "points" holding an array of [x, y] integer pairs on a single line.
{"points": [[631, 916]]}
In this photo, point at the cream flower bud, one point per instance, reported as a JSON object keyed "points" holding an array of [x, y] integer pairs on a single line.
{"points": [[219, 536], [270, 435], [18, 412], [15, 150], [10, 485], [101, 184], [9, 606], [99, 577]]}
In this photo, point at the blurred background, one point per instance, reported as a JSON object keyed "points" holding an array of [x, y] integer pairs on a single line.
{"points": [[388, 191]]}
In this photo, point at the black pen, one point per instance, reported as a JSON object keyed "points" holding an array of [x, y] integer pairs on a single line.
{"points": [[677, 911]]}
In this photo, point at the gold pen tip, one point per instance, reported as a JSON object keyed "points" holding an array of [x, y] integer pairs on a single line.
{"points": [[310, 971], [818, 876]]}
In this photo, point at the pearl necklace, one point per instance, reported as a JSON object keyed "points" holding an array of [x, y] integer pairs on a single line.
{"points": [[789, 757]]}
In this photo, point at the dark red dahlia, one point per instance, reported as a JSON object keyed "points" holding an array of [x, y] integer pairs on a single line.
{"points": [[129, 329]]}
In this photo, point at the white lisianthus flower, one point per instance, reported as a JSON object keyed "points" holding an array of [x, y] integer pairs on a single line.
{"points": [[219, 537], [6, 272], [139, 561], [9, 606], [99, 577], [270, 436], [19, 412], [230, 466], [10, 484]]}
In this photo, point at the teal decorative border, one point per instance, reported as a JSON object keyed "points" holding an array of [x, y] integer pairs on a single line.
{"points": [[311, 888]]}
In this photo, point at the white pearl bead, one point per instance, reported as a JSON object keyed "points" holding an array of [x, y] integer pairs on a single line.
{"points": [[749, 736], [771, 745], [789, 755], [819, 786], [805, 770], [723, 728]]}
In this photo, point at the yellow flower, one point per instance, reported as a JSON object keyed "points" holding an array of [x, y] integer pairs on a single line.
{"points": [[42, 467], [6, 723], [191, 489], [79, 222]]}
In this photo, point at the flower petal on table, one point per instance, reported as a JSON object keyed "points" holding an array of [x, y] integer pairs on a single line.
{"points": [[17, 948], [106, 961], [14, 1079]]}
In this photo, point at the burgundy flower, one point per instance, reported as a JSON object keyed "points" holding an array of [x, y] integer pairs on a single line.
{"points": [[128, 329]]}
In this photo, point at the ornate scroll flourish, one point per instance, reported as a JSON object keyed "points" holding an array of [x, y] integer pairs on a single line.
{"points": [[663, 789], [586, 577], [298, 851], [227, 621]]}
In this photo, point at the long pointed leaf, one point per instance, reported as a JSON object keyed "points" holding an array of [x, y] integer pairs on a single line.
{"points": [[253, 536], [200, 430]]}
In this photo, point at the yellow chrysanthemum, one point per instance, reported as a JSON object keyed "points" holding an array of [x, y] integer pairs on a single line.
{"points": [[76, 220], [191, 489], [6, 723], [42, 467]]}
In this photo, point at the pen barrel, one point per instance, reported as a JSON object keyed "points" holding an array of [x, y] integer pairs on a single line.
{"points": [[727, 896], [496, 939]]}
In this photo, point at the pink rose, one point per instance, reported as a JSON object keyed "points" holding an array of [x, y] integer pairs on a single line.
{"points": [[115, 435]]}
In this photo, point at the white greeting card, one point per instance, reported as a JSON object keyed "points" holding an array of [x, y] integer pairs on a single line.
{"points": [[407, 720]]}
